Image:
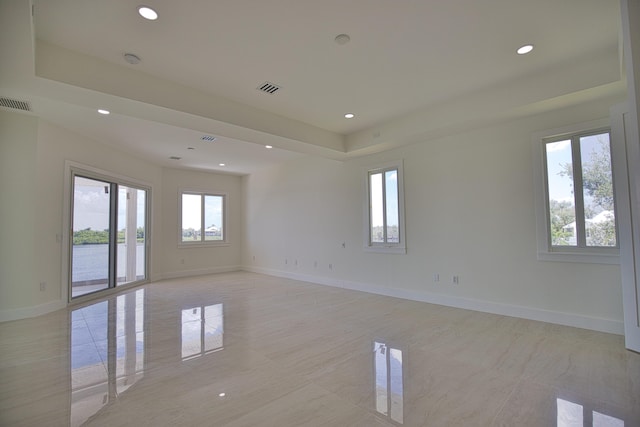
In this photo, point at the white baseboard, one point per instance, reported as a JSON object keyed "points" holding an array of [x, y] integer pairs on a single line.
{"points": [[560, 318], [38, 310], [199, 272], [33, 311], [530, 313]]}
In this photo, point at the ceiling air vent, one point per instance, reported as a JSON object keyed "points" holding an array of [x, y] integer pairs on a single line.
{"points": [[15, 104], [267, 87]]}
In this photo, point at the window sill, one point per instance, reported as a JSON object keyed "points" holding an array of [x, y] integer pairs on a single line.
{"points": [[203, 245], [386, 249], [591, 258]]}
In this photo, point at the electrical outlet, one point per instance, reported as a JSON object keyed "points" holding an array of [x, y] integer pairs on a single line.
{"points": [[330, 266], [436, 277], [455, 279], [43, 286]]}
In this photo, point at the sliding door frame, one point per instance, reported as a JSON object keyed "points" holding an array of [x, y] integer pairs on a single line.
{"points": [[73, 169]]}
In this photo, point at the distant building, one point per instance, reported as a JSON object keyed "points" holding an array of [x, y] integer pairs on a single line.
{"points": [[212, 231]]}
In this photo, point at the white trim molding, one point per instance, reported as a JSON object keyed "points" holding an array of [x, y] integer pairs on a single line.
{"points": [[529, 313], [33, 311], [199, 272], [387, 247], [545, 250]]}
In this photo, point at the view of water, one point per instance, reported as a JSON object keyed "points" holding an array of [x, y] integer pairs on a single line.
{"points": [[91, 262]]}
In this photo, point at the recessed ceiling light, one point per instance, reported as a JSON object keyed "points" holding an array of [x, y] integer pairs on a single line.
{"points": [[104, 112], [268, 147], [221, 164], [147, 13], [525, 49], [190, 148], [349, 116], [222, 394]]}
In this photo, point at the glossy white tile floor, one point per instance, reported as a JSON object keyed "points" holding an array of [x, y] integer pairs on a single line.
{"points": [[243, 349]]}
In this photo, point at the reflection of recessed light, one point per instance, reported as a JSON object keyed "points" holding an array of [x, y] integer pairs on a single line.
{"points": [[525, 49], [268, 147], [147, 13], [190, 148], [175, 158], [349, 116], [105, 112], [221, 164]]}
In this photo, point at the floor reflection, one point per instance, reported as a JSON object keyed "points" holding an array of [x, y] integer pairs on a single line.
{"points": [[388, 381], [107, 352], [202, 330], [571, 414]]}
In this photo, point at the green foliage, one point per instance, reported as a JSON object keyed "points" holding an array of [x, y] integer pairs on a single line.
{"points": [[597, 183], [95, 237], [90, 237], [560, 214], [596, 176], [602, 234]]}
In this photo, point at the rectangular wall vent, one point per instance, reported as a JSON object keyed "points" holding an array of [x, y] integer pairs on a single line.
{"points": [[15, 104], [268, 88]]}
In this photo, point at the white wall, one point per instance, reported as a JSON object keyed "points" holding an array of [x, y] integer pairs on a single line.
{"points": [[180, 261], [18, 145], [469, 211], [32, 162]]}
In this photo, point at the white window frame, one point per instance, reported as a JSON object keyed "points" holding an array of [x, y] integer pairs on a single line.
{"points": [[203, 243], [547, 252], [395, 248]]}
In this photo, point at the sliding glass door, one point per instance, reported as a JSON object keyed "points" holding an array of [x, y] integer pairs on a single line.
{"points": [[109, 226], [131, 254]]}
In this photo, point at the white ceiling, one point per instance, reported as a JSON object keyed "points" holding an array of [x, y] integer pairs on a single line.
{"points": [[412, 67]]}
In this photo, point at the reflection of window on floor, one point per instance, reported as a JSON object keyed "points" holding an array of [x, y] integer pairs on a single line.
{"points": [[388, 380], [574, 415], [107, 352], [202, 330]]}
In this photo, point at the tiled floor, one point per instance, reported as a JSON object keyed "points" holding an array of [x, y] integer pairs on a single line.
{"points": [[243, 349]]}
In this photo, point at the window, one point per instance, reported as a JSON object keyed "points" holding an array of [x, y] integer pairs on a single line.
{"points": [[202, 218], [577, 197], [385, 209]]}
